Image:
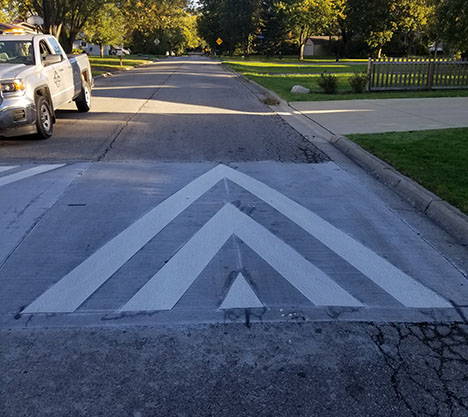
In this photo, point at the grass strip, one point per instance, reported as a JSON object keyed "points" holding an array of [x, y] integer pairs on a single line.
{"points": [[288, 59], [282, 84], [436, 159], [111, 63], [284, 68], [281, 77]]}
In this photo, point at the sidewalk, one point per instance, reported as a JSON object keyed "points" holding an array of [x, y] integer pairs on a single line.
{"points": [[386, 115]]}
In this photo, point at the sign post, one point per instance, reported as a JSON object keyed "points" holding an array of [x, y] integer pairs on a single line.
{"points": [[120, 54]]}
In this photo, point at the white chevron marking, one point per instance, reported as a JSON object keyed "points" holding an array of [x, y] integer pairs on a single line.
{"points": [[7, 168], [240, 295], [8, 179], [73, 290], [165, 289]]}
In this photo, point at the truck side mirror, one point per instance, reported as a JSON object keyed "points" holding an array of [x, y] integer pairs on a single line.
{"points": [[52, 59]]}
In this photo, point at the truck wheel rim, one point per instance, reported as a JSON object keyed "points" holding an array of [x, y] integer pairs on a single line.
{"points": [[45, 117]]}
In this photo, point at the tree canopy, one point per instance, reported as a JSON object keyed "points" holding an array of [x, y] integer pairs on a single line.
{"points": [[271, 26], [248, 26], [141, 21]]}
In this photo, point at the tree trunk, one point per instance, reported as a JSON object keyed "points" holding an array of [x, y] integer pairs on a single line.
{"points": [[102, 50], [51, 26], [379, 53], [301, 55], [67, 43]]}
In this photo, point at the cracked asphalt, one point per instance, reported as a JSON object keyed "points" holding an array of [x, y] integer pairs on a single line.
{"points": [[429, 366], [289, 369]]}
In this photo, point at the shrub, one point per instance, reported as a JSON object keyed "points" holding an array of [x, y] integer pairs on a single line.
{"points": [[328, 83], [358, 82]]}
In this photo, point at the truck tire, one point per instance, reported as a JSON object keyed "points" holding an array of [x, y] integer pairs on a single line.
{"points": [[83, 101], [44, 118]]}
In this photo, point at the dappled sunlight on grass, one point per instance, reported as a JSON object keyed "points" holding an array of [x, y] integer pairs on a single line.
{"points": [[284, 68]]}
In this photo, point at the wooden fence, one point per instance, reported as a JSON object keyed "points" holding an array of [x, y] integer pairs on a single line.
{"points": [[417, 74]]}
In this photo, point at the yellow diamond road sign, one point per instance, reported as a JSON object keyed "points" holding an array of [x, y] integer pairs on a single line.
{"points": [[219, 41]]}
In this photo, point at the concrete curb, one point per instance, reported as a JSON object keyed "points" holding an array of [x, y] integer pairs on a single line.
{"points": [[270, 94], [445, 215]]}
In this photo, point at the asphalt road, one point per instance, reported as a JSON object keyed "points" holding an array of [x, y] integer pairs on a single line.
{"points": [[181, 250], [173, 111]]}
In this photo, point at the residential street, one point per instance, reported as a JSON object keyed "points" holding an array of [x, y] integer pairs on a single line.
{"points": [[183, 250]]}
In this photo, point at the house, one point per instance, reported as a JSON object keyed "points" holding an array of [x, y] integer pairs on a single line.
{"points": [[91, 49], [319, 46]]}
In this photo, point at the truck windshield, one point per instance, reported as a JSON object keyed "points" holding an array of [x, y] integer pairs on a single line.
{"points": [[16, 52]]}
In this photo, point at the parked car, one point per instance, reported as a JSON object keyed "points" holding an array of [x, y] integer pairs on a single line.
{"points": [[36, 78], [120, 51]]}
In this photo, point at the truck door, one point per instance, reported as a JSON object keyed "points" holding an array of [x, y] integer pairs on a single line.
{"points": [[56, 77], [66, 71]]}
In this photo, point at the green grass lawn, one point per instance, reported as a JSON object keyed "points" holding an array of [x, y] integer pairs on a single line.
{"points": [[436, 159], [112, 63], [293, 68], [282, 84], [281, 76], [289, 59]]}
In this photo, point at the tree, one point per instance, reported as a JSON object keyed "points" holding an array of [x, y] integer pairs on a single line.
{"points": [[106, 27], [311, 17], [62, 18], [373, 20], [79, 12], [275, 25], [411, 18], [236, 22], [343, 26], [171, 22], [52, 11], [6, 9], [452, 23], [209, 21]]}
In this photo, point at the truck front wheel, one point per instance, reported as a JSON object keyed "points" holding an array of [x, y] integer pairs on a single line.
{"points": [[83, 101], [44, 118]]}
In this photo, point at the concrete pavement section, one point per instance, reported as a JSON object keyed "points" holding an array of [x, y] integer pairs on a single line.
{"points": [[386, 115], [151, 243]]}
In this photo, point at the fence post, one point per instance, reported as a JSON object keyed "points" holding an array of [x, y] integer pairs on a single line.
{"points": [[369, 72], [430, 74]]}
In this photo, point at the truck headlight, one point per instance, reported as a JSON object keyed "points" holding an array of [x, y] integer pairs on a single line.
{"points": [[12, 86]]}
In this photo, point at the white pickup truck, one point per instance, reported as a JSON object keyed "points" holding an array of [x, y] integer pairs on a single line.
{"points": [[36, 78]]}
